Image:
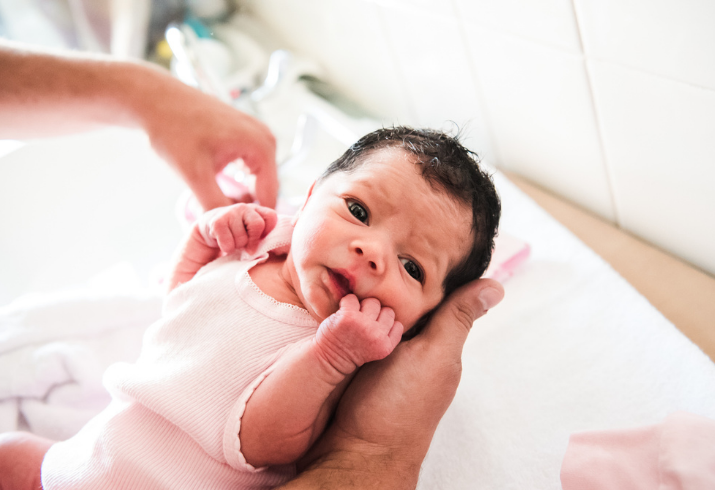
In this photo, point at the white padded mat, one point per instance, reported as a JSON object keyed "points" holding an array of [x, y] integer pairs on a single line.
{"points": [[572, 347]]}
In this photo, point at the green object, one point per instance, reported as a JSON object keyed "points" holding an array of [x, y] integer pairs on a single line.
{"points": [[201, 29]]}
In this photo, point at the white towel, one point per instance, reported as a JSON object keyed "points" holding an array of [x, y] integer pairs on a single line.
{"points": [[54, 349]]}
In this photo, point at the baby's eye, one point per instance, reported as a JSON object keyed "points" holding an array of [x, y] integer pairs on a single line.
{"points": [[357, 210], [412, 269]]}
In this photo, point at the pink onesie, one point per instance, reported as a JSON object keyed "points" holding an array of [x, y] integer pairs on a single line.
{"points": [[175, 414]]}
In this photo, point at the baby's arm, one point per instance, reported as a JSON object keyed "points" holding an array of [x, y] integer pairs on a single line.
{"points": [[290, 408], [221, 231]]}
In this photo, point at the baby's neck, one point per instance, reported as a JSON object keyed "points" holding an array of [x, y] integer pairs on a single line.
{"points": [[270, 278]]}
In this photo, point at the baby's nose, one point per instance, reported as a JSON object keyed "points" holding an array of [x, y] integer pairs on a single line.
{"points": [[374, 257]]}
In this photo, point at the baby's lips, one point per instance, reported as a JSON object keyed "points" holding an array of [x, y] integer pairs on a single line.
{"points": [[348, 278], [340, 282]]}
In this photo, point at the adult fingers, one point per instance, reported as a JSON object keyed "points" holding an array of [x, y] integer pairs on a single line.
{"points": [[451, 323], [204, 186], [261, 161], [267, 184]]}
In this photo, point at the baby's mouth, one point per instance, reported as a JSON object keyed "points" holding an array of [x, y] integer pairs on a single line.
{"points": [[341, 282]]}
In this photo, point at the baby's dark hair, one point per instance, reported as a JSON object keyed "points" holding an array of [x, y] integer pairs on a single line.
{"points": [[447, 166]]}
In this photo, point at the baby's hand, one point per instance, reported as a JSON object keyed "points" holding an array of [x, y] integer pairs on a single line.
{"points": [[358, 333], [236, 227]]}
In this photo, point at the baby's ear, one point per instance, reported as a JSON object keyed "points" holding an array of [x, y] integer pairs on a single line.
{"points": [[310, 192]]}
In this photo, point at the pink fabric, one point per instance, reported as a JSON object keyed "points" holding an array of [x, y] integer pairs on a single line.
{"points": [[677, 454], [175, 418]]}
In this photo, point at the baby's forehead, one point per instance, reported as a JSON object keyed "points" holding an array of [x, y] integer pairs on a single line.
{"points": [[436, 224], [396, 168]]}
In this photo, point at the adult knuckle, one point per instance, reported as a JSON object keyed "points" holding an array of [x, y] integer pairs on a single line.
{"points": [[462, 313]]}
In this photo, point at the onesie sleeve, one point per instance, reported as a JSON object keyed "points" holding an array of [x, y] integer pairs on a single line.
{"points": [[231, 440]]}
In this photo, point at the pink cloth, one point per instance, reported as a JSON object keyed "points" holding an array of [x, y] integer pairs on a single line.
{"points": [[677, 454], [175, 415]]}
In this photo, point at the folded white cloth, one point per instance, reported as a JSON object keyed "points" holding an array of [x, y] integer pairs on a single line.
{"points": [[54, 349]]}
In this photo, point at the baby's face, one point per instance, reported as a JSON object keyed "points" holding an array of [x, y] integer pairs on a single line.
{"points": [[379, 232]]}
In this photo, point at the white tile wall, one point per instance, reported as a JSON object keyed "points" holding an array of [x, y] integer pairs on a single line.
{"points": [[666, 37], [541, 114], [549, 22], [606, 102], [347, 38], [659, 135], [432, 8], [438, 79]]}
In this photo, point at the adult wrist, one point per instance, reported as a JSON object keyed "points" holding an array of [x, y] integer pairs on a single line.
{"points": [[136, 90], [360, 468]]}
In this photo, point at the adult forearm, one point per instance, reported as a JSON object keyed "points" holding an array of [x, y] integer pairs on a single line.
{"points": [[46, 94]]}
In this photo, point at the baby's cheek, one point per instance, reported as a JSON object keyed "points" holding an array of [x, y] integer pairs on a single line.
{"points": [[416, 323]]}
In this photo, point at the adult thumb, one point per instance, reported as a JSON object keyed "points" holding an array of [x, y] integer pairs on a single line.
{"points": [[451, 323], [208, 192]]}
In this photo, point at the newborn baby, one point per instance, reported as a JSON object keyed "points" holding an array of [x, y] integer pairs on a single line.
{"points": [[269, 318]]}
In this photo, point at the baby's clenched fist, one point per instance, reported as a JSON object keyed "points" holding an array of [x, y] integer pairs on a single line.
{"points": [[357, 333], [236, 227]]}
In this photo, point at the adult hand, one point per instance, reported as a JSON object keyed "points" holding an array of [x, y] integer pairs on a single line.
{"points": [[386, 419], [199, 135], [46, 94]]}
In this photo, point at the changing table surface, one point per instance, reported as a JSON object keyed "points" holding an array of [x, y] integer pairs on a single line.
{"points": [[684, 294]]}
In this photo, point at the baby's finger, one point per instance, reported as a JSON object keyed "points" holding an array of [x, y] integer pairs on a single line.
{"points": [[221, 232], [370, 307], [386, 317], [270, 217], [255, 224], [395, 334], [203, 225], [238, 230], [205, 232], [350, 302]]}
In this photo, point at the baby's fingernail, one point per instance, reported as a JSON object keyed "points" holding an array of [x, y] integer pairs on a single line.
{"points": [[489, 298]]}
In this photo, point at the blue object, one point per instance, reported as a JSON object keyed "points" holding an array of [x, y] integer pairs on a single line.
{"points": [[201, 29]]}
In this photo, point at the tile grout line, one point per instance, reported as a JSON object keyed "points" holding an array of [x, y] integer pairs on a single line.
{"points": [[599, 128], [553, 47], [651, 73]]}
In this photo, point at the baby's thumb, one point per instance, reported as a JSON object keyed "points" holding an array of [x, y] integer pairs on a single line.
{"points": [[453, 320]]}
